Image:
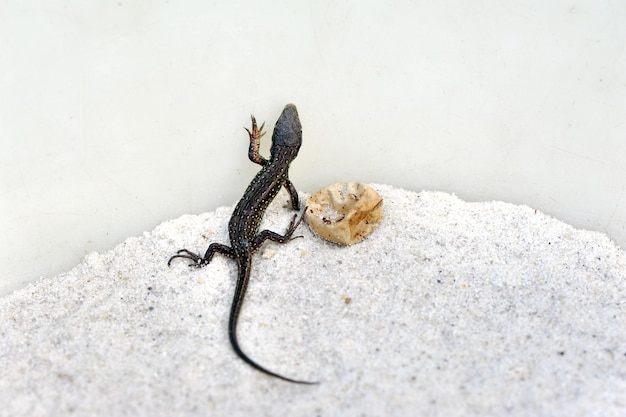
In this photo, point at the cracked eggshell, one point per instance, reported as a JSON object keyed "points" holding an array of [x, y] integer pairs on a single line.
{"points": [[344, 212]]}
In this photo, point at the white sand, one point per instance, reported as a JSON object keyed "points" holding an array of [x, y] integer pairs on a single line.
{"points": [[456, 309]]}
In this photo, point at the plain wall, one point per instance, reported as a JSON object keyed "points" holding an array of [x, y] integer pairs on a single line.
{"points": [[116, 116]]}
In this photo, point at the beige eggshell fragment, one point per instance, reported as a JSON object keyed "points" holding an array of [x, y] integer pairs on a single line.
{"points": [[345, 212]]}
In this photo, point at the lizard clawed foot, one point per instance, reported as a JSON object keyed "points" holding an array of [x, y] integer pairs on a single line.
{"points": [[294, 225], [255, 133], [198, 261], [255, 141]]}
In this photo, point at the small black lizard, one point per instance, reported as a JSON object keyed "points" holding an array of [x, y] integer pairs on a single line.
{"points": [[243, 228]]}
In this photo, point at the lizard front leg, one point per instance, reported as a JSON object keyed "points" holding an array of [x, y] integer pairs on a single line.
{"points": [[295, 201], [255, 140]]}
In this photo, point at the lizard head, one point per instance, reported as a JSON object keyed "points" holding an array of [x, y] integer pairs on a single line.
{"points": [[288, 130]]}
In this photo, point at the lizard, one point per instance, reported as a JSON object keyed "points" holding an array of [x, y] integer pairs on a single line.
{"points": [[244, 224]]}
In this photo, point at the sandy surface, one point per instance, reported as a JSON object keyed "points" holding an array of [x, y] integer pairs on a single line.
{"points": [[448, 309]]}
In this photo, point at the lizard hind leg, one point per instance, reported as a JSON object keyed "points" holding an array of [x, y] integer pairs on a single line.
{"points": [[201, 261], [278, 238]]}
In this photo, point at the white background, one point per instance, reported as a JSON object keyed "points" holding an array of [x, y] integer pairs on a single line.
{"points": [[116, 116]]}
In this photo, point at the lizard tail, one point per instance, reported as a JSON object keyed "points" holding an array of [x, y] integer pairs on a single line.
{"points": [[243, 276]]}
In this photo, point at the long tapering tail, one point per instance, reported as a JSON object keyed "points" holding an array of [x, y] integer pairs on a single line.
{"points": [[243, 276]]}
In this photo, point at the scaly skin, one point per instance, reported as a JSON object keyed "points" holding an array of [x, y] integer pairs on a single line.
{"points": [[243, 227]]}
